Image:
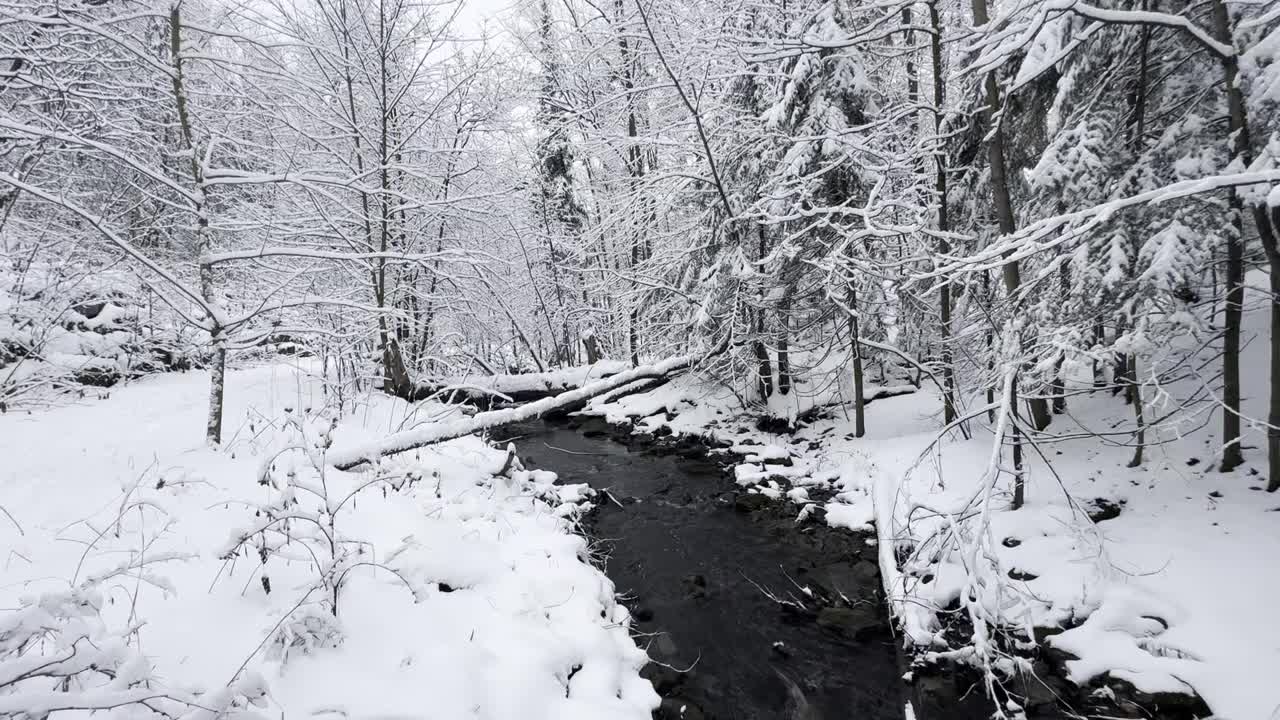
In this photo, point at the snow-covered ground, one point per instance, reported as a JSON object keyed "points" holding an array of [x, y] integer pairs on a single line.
{"points": [[468, 595], [1177, 592], [465, 596], [1188, 548]]}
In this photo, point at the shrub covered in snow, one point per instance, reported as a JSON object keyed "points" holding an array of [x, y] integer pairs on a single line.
{"points": [[57, 654], [298, 521], [62, 329]]}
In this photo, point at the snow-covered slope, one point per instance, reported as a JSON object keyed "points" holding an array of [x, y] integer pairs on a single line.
{"points": [[470, 596]]}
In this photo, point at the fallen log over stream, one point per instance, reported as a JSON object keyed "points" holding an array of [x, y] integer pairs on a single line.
{"points": [[485, 391], [344, 459]]}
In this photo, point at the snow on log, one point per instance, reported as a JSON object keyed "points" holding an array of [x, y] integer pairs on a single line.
{"points": [[520, 387], [440, 432]]}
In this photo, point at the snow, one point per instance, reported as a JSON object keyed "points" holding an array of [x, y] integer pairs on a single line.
{"points": [[853, 516], [550, 381], [482, 603], [47, 340], [435, 432], [1174, 594]]}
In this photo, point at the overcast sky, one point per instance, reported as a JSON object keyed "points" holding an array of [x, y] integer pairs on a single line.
{"points": [[477, 14]]}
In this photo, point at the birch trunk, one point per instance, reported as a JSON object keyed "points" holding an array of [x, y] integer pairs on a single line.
{"points": [[204, 239]]}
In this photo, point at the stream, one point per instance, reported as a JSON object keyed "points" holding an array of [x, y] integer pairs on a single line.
{"points": [[747, 614], [696, 569]]}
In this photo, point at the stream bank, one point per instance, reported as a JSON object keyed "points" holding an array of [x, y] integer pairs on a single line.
{"points": [[746, 614], [749, 613], [937, 688]]}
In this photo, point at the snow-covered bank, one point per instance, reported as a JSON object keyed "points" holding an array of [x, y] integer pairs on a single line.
{"points": [[1162, 596], [467, 595]]}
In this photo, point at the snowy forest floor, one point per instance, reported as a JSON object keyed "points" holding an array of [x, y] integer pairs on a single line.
{"points": [[503, 616], [1174, 594]]}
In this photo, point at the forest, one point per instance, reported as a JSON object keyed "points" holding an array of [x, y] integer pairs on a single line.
{"points": [[639, 359]]}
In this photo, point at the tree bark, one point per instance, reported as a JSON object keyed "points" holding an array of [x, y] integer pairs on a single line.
{"points": [[1058, 388], [1273, 414], [635, 169], [784, 350], [1135, 395], [1098, 336], [1019, 481], [1010, 271], [944, 221], [1138, 131], [763, 369], [395, 375], [855, 349], [1002, 200], [1233, 309], [204, 239]]}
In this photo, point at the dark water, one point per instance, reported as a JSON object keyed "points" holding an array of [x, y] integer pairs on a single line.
{"points": [[697, 570]]}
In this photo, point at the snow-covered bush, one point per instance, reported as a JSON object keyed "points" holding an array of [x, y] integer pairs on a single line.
{"points": [[298, 522], [63, 329], [57, 654], [309, 629], [68, 650]]}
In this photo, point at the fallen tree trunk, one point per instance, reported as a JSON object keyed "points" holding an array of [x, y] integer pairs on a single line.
{"points": [[440, 432], [485, 392]]}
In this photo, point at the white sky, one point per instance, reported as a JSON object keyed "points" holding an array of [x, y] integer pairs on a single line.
{"points": [[479, 15]]}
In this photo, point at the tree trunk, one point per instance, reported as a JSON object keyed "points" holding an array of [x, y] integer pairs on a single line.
{"points": [[989, 337], [204, 239], [635, 171], [784, 350], [1099, 335], [765, 379], [217, 393], [426, 434], [764, 373], [592, 344], [1010, 270], [1135, 397], [944, 222], [1120, 370], [855, 349], [1269, 244], [395, 376], [1058, 388], [1019, 481], [1138, 131], [1003, 203], [1233, 310]]}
